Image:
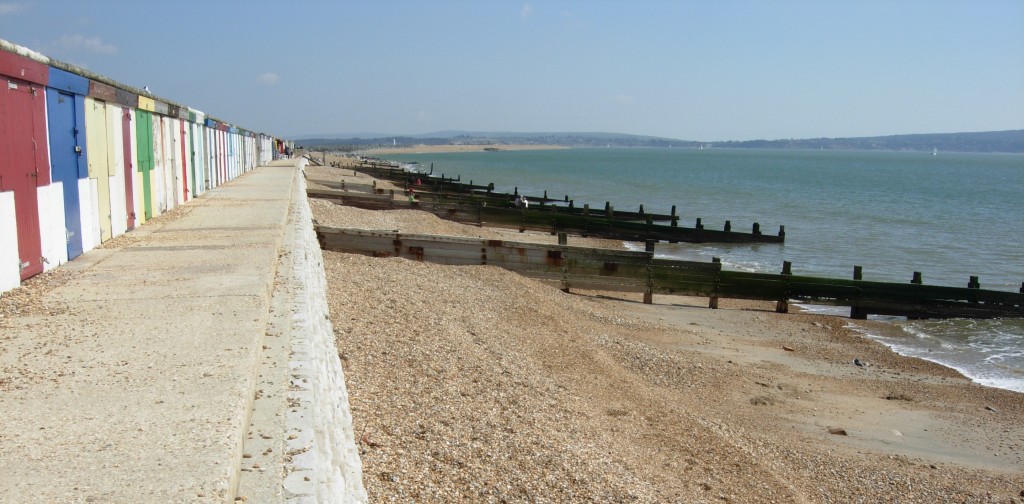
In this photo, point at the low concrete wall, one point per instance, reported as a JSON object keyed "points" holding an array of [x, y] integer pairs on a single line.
{"points": [[326, 466]]}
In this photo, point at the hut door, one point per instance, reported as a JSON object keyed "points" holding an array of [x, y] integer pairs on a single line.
{"points": [[129, 166], [18, 168], [67, 151]]}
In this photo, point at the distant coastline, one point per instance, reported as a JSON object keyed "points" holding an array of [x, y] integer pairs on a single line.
{"points": [[1011, 142], [426, 149]]}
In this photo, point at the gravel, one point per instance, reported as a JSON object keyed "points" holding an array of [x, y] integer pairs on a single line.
{"points": [[473, 384]]}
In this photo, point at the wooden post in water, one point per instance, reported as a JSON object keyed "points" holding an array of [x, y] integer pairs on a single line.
{"points": [[728, 226], [757, 229], [917, 278], [858, 273], [713, 300], [699, 226], [641, 209], [973, 283], [675, 218], [782, 232]]}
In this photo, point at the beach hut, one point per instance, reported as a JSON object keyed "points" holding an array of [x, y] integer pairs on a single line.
{"points": [[116, 144], [161, 160], [98, 228], [145, 156], [197, 148], [128, 102], [24, 167], [65, 112]]}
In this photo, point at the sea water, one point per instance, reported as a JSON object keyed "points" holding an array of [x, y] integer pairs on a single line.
{"points": [[948, 216]]}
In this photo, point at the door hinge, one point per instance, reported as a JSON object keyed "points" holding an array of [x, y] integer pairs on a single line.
{"points": [[22, 266]]}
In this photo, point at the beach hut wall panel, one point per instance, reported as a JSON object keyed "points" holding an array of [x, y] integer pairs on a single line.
{"points": [[144, 159], [65, 111], [126, 98], [24, 157], [146, 103], [185, 179], [97, 136], [118, 197], [161, 153], [101, 91], [10, 277], [177, 184], [128, 154], [52, 227], [195, 148], [161, 108]]}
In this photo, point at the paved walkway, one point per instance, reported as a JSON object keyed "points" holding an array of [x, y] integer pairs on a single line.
{"points": [[136, 380]]}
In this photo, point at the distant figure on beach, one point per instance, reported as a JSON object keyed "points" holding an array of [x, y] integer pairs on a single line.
{"points": [[418, 182], [526, 203]]}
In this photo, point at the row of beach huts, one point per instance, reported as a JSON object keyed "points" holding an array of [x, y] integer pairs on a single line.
{"points": [[84, 159]]}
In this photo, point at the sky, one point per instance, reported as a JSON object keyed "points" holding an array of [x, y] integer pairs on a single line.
{"points": [[690, 70]]}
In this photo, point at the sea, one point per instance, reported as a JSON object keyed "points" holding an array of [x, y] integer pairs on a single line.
{"points": [[947, 215]]}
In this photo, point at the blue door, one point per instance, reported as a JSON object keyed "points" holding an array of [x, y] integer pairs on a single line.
{"points": [[66, 114]]}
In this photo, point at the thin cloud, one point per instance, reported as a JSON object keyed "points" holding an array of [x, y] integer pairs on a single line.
{"points": [[526, 11], [269, 78], [93, 45], [11, 8]]}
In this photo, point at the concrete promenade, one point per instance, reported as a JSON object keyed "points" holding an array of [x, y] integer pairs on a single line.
{"points": [[188, 361]]}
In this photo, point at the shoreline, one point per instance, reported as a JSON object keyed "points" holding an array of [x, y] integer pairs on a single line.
{"points": [[472, 383]]}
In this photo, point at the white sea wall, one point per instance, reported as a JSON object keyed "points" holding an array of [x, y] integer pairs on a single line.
{"points": [[328, 455]]}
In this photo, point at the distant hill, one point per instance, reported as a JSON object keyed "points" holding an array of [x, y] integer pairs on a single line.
{"points": [[991, 141]]}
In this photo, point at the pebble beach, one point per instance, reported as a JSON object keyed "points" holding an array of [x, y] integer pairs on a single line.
{"points": [[473, 384]]}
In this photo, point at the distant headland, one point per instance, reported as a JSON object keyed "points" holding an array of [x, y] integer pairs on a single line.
{"points": [[987, 141]]}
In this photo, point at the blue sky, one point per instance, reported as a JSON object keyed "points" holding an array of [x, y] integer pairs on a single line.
{"points": [[700, 70]]}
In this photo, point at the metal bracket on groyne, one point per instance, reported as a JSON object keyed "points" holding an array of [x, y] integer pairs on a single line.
{"points": [[628, 271]]}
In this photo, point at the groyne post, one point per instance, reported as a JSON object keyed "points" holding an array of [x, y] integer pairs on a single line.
{"points": [[782, 305], [917, 278], [649, 292], [728, 226], [858, 273], [713, 300]]}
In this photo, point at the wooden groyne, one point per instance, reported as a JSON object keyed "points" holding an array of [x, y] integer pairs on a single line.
{"points": [[570, 267], [467, 202]]}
